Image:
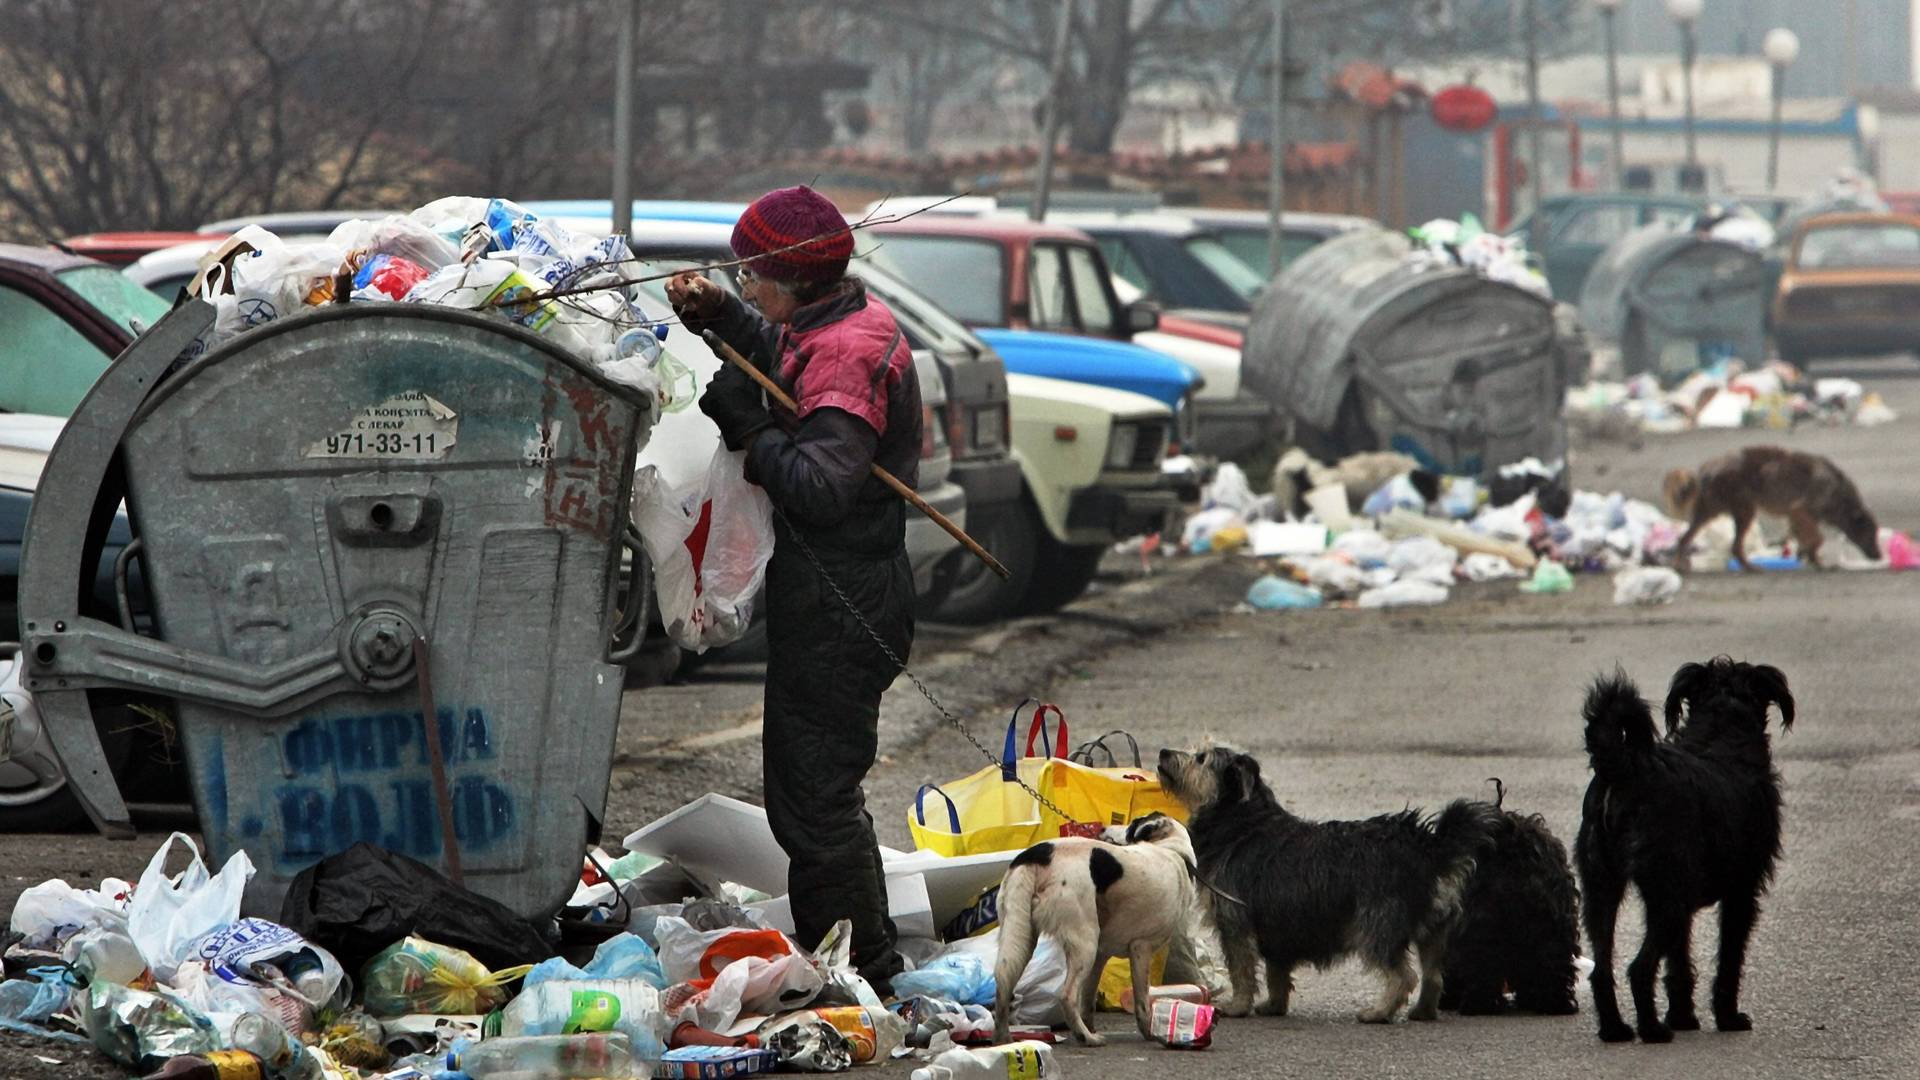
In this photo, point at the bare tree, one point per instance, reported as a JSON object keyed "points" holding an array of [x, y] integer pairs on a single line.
{"points": [[164, 113]]}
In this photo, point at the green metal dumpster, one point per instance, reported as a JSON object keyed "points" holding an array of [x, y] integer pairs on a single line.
{"points": [[1670, 297], [310, 500]]}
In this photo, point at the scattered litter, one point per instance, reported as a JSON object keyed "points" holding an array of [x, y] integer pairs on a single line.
{"points": [[1481, 566], [1410, 593], [1182, 1025], [1274, 538], [1548, 577], [563, 1057], [1014, 1061], [1873, 411], [1272, 593], [414, 975], [1646, 585]]}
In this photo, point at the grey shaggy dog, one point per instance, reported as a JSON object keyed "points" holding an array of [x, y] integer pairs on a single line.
{"points": [[1314, 892]]}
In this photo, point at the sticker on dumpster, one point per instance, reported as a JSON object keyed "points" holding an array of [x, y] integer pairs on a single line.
{"points": [[405, 427]]}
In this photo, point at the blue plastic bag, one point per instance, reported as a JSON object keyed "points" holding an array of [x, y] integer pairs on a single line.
{"points": [[623, 956], [958, 977], [1271, 593]]}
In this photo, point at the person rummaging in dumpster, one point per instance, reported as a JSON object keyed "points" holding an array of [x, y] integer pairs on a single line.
{"points": [[846, 363]]}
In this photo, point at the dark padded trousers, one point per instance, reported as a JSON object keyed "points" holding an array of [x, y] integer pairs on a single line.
{"points": [[825, 676]]}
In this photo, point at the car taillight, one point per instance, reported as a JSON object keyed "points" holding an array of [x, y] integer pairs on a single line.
{"points": [[929, 424]]}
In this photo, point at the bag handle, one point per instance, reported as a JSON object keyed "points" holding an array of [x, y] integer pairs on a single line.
{"points": [[1008, 770], [1039, 729], [920, 806], [1084, 755]]}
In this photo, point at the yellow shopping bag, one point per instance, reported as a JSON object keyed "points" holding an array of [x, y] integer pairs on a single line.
{"points": [[991, 811]]}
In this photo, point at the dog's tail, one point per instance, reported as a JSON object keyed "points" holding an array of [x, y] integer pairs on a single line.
{"points": [[1017, 938], [1619, 725], [1463, 832]]}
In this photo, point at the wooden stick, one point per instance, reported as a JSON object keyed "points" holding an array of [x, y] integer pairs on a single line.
{"points": [[727, 353]]}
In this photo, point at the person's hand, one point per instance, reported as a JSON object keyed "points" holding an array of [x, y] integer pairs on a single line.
{"points": [[693, 296], [735, 404]]}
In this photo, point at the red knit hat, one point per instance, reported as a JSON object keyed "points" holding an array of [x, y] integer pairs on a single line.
{"points": [[796, 215]]}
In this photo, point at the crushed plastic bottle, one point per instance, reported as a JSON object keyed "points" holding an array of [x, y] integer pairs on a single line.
{"points": [[608, 1055], [1014, 1061], [212, 1065], [570, 1006]]}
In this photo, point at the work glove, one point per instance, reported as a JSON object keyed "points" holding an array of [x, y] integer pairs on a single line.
{"points": [[735, 404]]}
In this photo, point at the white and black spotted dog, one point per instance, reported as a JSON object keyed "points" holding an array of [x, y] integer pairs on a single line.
{"points": [[1099, 900]]}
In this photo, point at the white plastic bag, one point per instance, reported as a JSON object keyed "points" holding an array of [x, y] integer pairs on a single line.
{"points": [[52, 911], [1040, 995], [168, 915], [709, 541], [1411, 593], [1646, 585]]}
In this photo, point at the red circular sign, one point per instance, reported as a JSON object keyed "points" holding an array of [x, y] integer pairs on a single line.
{"points": [[1464, 108]]}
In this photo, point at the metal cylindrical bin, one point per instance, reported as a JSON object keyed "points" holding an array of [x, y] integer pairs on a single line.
{"points": [[1368, 347], [313, 497], [1665, 294]]}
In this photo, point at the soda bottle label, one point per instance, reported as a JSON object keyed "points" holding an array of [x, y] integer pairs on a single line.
{"points": [[234, 1065], [592, 1010]]}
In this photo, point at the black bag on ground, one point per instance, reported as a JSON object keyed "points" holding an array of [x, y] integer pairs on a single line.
{"points": [[366, 898]]}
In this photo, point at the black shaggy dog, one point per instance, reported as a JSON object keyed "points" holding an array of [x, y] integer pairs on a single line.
{"points": [[1521, 926], [1691, 820], [1315, 892]]}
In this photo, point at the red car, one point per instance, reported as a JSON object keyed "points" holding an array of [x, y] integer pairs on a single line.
{"points": [[122, 248]]}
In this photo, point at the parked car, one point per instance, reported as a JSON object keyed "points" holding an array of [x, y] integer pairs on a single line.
{"points": [[62, 320], [1011, 273], [122, 248], [1244, 232], [291, 222], [65, 317], [1174, 262], [1851, 285], [1569, 233]]}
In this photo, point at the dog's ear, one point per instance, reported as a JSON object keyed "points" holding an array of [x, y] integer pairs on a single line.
{"points": [[1771, 683], [1686, 682], [1241, 778], [1145, 829]]}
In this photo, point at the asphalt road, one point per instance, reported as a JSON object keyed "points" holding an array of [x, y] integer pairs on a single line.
{"points": [[1354, 713]]}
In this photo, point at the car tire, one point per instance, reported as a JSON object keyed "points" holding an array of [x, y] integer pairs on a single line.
{"points": [[59, 810], [1061, 575], [978, 595]]}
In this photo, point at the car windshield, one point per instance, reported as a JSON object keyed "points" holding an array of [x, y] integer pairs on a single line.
{"points": [[46, 364], [1225, 265], [963, 275], [118, 296], [1250, 246], [1879, 244]]}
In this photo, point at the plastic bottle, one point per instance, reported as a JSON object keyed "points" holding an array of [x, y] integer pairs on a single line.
{"points": [[1014, 1061], [305, 971], [606, 1055], [573, 1006], [107, 955], [212, 1065]]}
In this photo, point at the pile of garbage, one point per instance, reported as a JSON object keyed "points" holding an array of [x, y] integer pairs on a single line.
{"points": [[486, 255], [1466, 243], [1416, 536], [1777, 396], [667, 961]]}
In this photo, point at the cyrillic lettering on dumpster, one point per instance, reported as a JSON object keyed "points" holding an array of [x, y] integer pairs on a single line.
{"points": [[410, 426]]}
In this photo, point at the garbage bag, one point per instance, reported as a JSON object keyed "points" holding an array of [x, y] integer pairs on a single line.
{"points": [[168, 915], [364, 899], [959, 977], [568, 1007], [415, 975], [623, 956], [51, 912], [709, 538]]}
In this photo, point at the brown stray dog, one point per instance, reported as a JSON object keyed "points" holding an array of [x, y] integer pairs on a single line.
{"points": [[1806, 489]]}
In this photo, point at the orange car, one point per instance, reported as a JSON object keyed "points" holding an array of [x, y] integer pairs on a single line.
{"points": [[1851, 287]]}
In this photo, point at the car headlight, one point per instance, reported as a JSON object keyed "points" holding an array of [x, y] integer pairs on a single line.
{"points": [[1121, 443]]}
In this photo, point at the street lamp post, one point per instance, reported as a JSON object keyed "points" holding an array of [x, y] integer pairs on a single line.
{"points": [[1782, 48], [1686, 13], [1608, 10]]}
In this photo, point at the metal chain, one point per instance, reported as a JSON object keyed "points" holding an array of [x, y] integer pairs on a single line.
{"points": [[946, 714]]}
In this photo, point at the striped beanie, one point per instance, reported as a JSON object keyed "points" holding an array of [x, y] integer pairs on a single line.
{"points": [[796, 215]]}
